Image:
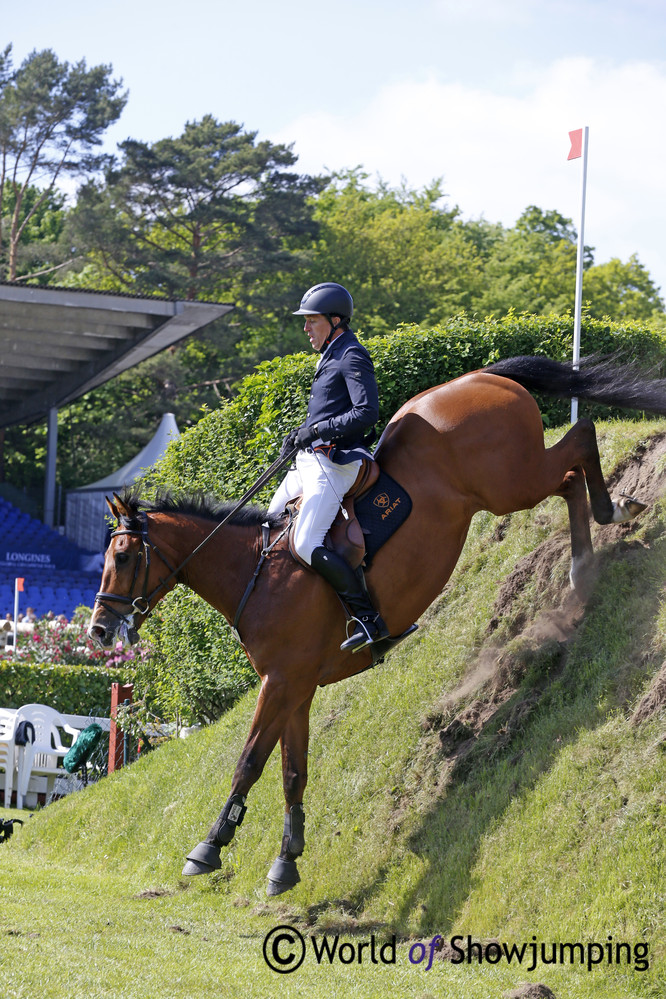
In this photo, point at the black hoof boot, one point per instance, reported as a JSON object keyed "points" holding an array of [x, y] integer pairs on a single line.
{"points": [[282, 876], [204, 859]]}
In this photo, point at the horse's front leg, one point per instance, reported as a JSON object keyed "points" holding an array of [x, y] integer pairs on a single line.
{"points": [[275, 704], [283, 875]]}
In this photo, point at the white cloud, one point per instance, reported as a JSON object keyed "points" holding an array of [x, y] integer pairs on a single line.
{"points": [[499, 153]]}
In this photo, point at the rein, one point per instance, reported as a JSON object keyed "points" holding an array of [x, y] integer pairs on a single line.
{"points": [[141, 604]]}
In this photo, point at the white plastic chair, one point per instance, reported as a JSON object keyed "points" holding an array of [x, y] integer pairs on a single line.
{"points": [[41, 757], [7, 753]]}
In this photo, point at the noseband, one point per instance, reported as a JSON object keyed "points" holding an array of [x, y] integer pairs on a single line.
{"points": [[140, 604]]}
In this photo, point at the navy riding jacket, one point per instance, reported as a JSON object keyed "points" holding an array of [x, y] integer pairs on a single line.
{"points": [[344, 402]]}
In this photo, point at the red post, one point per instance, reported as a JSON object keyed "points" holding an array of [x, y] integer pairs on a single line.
{"points": [[120, 692]]}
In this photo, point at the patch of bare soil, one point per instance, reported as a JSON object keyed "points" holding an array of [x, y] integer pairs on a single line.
{"points": [[499, 703], [497, 675], [653, 701], [530, 990], [537, 567]]}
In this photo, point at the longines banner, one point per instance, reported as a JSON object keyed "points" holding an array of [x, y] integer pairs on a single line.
{"points": [[37, 560], [34, 559]]}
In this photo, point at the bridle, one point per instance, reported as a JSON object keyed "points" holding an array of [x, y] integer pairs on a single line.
{"points": [[140, 604]]}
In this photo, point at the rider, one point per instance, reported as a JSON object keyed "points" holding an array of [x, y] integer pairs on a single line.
{"points": [[343, 405]]}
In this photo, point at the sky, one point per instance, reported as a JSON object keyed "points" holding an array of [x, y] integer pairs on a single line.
{"points": [[479, 93]]}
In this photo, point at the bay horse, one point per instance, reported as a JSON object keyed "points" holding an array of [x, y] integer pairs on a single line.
{"points": [[474, 443]]}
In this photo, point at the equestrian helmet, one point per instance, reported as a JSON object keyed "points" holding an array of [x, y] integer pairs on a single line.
{"points": [[328, 299]]}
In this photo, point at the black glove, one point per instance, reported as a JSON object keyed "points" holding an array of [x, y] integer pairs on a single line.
{"points": [[288, 443], [305, 436]]}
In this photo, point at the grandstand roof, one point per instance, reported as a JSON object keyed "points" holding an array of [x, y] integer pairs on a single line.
{"points": [[57, 343]]}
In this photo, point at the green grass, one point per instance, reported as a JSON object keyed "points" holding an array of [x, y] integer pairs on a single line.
{"points": [[551, 827]]}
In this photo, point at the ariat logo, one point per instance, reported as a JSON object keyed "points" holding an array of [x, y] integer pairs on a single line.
{"points": [[382, 501], [389, 510]]}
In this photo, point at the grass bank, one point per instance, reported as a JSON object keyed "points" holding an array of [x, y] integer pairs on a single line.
{"points": [[488, 780]]}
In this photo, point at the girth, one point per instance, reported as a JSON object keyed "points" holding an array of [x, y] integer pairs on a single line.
{"points": [[266, 548]]}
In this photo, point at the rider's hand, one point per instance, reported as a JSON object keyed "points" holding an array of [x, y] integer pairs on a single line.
{"points": [[288, 443], [305, 436]]}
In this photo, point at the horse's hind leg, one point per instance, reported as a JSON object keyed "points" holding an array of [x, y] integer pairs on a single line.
{"points": [[574, 492], [579, 447], [283, 875]]}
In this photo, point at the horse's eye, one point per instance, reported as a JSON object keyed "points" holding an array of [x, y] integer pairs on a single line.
{"points": [[122, 558]]}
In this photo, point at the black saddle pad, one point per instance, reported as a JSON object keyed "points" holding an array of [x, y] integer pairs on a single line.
{"points": [[381, 512]]}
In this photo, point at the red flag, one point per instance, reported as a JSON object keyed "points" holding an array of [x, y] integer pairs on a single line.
{"points": [[19, 584], [576, 150]]}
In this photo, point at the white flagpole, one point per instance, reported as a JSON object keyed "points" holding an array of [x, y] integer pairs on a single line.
{"points": [[579, 270]]}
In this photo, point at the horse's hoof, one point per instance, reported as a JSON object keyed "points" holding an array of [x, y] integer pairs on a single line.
{"points": [[193, 867], [282, 876], [204, 859], [276, 888], [627, 508]]}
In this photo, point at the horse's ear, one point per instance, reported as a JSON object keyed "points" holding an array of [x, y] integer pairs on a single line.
{"points": [[120, 507], [112, 507]]}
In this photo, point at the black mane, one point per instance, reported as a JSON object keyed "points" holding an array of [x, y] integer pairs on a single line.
{"points": [[195, 504]]}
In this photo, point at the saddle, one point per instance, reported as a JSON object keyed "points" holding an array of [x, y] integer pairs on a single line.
{"points": [[345, 536]]}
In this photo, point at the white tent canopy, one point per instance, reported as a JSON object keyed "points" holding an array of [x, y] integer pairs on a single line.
{"points": [[84, 522]]}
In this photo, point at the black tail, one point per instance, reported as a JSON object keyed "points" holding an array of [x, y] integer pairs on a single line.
{"points": [[599, 380]]}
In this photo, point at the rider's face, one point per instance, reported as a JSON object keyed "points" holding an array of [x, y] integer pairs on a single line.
{"points": [[317, 328]]}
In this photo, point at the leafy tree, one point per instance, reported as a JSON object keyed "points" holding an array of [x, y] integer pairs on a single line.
{"points": [[397, 250], [212, 214], [205, 215], [623, 291], [41, 251], [52, 118], [552, 226], [532, 268]]}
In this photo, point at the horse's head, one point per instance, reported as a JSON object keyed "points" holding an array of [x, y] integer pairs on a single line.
{"points": [[131, 583]]}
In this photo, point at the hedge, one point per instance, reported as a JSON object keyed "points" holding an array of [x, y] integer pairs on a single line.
{"points": [[194, 669], [226, 451], [73, 690]]}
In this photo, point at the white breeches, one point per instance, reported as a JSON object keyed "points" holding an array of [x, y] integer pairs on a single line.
{"points": [[323, 484]]}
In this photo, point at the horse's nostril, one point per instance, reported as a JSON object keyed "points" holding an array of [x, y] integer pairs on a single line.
{"points": [[97, 632]]}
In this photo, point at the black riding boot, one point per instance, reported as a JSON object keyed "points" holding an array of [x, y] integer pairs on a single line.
{"points": [[351, 589]]}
